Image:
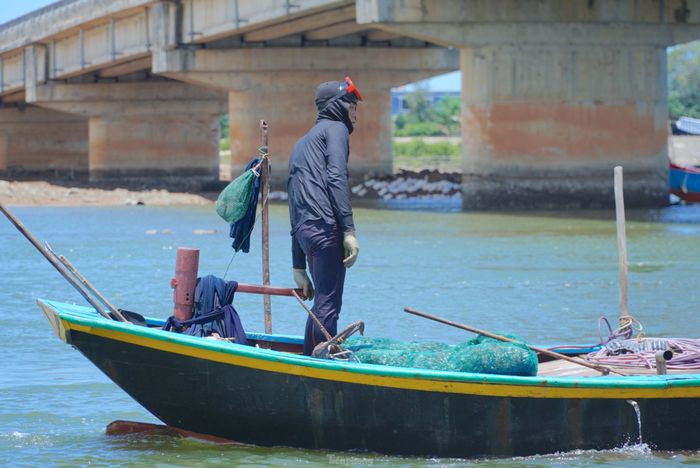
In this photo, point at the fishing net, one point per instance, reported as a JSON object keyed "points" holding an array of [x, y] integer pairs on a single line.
{"points": [[233, 201], [481, 355]]}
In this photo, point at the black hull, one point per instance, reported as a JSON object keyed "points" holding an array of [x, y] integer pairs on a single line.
{"points": [[276, 409]]}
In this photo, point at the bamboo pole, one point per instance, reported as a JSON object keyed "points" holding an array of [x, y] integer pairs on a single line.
{"points": [[602, 369], [265, 190], [621, 245], [35, 242], [89, 286]]}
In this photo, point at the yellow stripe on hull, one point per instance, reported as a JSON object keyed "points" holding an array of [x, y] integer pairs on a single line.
{"points": [[543, 390]]}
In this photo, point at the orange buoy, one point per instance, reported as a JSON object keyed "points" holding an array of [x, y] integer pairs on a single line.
{"points": [[186, 267]]}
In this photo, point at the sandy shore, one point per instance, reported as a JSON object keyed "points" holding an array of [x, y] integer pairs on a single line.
{"points": [[45, 193]]}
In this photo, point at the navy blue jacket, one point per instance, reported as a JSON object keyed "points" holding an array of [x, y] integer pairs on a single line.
{"points": [[318, 185]]}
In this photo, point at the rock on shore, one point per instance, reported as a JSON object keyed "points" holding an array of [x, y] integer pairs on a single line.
{"points": [[425, 184]]}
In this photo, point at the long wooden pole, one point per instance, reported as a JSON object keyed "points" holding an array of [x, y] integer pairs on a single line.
{"points": [[265, 190], [89, 286], [271, 290], [68, 277], [621, 245], [602, 369], [313, 316]]}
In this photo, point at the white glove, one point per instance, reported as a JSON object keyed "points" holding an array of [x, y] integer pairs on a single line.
{"points": [[352, 248], [303, 282]]}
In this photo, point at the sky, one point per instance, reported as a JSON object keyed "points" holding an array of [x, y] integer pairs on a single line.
{"points": [[11, 9]]}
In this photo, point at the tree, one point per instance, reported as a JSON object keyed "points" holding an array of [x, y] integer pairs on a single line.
{"points": [[420, 105], [224, 125], [425, 119], [446, 113], [684, 81]]}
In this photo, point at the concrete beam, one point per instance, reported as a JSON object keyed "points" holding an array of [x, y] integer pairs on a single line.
{"points": [[127, 99], [335, 30], [381, 35], [143, 64], [475, 35], [466, 12], [473, 23], [274, 67], [305, 23]]}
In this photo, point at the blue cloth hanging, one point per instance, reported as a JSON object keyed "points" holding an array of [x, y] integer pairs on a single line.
{"points": [[242, 229], [213, 311]]}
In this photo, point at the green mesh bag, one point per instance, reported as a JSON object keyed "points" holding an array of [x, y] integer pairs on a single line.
{"points": [[233, 201], [494, 357], [481, 355]]}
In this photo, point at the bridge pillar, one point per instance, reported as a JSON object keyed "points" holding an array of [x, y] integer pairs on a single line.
{"points": [[41, 141], [555, 94], [291, 112], [543, 126], [143, 129], [279, 85]]}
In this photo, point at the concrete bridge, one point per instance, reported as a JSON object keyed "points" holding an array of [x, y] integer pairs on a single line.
{"points": [[554, 93]]}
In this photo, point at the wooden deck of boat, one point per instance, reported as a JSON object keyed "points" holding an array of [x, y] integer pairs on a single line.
{"points": [[561, 368]]}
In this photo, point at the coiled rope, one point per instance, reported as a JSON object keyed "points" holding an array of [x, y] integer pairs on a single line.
{"points": [[619, 349]]}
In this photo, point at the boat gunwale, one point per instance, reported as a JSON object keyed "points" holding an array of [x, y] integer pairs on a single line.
{"points": [[688, 169], [88, 318]]}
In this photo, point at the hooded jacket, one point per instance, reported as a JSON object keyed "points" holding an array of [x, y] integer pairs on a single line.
{"points": [[318, 185]]}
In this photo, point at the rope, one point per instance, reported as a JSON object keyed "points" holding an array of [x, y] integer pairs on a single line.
{"points": [[614, 349], [262, 152], [686, 355], [624, 331]]}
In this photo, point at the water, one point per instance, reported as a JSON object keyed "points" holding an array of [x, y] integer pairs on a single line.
{"points": [[544, 277], [637, 413]]}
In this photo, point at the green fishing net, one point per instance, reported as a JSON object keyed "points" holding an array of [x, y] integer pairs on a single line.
{"points": [[233, 201], [481, 355]]}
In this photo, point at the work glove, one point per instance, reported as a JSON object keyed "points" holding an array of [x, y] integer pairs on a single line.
{"points": [[352, 248], [303, 282]]}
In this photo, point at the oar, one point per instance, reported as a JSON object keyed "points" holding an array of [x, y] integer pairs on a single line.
{"points": [[30, 237], [117, 313], [602, 369], [313, 316]]}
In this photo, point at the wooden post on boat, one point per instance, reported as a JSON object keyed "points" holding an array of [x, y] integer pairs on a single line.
{"points": [[621, 245], [265, 190], [185, 282]]}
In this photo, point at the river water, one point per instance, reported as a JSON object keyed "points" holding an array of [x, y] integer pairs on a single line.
{"points": [[546, 277]]}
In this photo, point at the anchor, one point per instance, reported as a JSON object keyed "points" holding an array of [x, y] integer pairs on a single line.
{"points": [[331, 349]]}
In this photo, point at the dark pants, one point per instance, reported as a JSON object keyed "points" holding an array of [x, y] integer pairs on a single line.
{"points": [[323, 246]]}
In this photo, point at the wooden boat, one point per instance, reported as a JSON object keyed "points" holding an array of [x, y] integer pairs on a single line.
{"points": [[685, 182], [269, 395]]}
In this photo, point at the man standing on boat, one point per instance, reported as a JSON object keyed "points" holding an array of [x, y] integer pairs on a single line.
{"points": [[323, 231]]}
